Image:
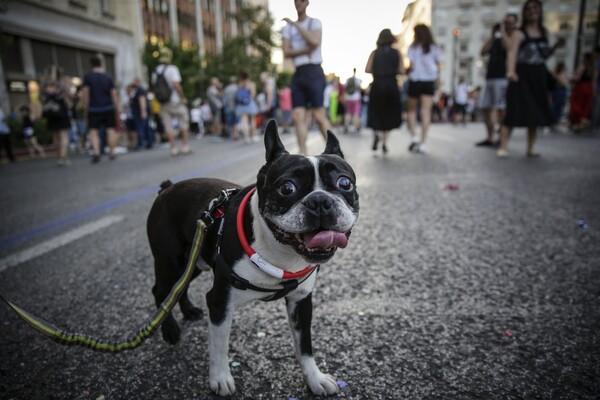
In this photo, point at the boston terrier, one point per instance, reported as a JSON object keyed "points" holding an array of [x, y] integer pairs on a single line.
{"points": [[268, 244]]}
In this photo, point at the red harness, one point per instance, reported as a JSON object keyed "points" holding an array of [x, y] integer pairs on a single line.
{"points": [[260, 262]]}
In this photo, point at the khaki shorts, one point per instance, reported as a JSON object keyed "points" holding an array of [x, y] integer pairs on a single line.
{"points": [[168, 111]]}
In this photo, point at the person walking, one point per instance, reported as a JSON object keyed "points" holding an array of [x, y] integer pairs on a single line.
{"points": [[461, 101], [269, 88], [99, 97], [352, 102], [214, 97], [559, 93], [527, 100], [385, 109], [302, 42], [246, 107], [5, 139], [231, 119], [493, 102], [424, 56], [140, 107], [582, 94], [285, 104], [55, 110], [29, 132], [176, 106]]}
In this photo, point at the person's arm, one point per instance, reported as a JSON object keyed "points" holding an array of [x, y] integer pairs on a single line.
{"points": [[369, 67], [511, 57], [578, 73], [179, 89], [312, 38], [487, 46], [85, 98], [560, 42], [115, 98], [400, 64], [143, 106]]}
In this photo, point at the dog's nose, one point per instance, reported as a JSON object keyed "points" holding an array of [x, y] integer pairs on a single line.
{"points": [[319, 204]]}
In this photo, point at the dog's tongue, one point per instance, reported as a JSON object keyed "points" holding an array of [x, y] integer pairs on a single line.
{"points": [[325, 239]]}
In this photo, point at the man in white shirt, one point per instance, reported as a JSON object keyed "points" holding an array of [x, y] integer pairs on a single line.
{"points": [[302, 43], [176, 106]]}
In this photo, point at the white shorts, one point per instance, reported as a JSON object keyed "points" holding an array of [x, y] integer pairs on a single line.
{"points": [[494, 94]]}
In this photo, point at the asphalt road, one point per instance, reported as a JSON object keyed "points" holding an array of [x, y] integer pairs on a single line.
{"points": [[490, 291]]}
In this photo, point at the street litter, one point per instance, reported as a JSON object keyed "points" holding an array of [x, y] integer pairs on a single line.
{"points": [[452, 187], [582, 224], [342, 384]]}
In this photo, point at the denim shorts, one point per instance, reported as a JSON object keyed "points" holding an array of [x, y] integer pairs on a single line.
{"points": [[308, 86]]}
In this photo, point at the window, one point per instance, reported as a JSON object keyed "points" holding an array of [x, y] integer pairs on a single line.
{"points": [[9, 45]]}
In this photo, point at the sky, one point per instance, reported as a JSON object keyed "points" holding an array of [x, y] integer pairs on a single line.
{"points": [[350, 30]]}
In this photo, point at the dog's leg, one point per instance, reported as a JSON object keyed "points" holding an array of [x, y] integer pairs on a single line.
{"points": [[219, 326], [300, 317]]}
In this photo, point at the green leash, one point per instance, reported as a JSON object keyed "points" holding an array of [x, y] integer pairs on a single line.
{"points": [[144, 332]]}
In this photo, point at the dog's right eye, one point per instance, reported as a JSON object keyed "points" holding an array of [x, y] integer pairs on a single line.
{"points": [[287, 188]]}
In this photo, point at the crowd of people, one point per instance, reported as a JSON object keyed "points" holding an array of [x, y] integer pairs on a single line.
{"points": [[519, 92]]}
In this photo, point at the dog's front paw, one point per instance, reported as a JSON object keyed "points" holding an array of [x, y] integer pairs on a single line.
{"points": [[322, 384], [222, 383]]}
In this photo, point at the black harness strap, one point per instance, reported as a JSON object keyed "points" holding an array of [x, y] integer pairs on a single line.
{"points": [[224, 269]]}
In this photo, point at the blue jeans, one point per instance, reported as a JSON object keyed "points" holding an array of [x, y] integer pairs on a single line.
{"points": [[144, 132], [559, 98]]}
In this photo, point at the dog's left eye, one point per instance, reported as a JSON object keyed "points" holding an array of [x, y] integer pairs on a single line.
{"points": [[345, 183], [287, 188]]}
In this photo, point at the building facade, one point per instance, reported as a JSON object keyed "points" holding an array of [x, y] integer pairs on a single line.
{"points": [[36, 34]]}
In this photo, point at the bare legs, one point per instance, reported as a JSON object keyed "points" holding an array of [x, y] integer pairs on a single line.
{"points": [[111, 139], [247, 126], [505, 137], [411, 119], [299, 116], [61, 141]]}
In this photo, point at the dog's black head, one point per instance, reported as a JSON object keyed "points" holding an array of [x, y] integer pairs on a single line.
{"points": [[308, 203]]}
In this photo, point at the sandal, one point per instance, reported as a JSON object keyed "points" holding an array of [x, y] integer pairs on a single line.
{"points": [[186, 151], [174, 151]]}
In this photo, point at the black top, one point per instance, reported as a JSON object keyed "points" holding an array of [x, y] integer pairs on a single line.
{"points": [[385, 62], [496, 67]]}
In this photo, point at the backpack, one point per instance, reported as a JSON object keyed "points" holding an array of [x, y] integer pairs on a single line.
{"points": [[350, 86], [243, 96], [161, 89]]}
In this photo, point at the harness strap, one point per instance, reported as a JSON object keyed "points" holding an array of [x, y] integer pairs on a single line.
{"points": [[224, 269]]}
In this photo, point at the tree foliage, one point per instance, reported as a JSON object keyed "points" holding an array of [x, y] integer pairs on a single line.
{"points": [[250, 51]]}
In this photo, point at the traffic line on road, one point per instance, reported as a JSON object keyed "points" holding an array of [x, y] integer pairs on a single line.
{"points": [[59, 223], [58, 241]]}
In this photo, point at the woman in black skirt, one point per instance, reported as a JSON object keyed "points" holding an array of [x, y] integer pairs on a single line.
{"points": [[384, 112], [527, 101]]}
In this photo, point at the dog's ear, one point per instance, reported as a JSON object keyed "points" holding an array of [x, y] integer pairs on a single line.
{"points": [[273, 146], [333, 145]]}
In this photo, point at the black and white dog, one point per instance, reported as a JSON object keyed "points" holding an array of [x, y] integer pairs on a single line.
{"points": [[269, 244]]}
